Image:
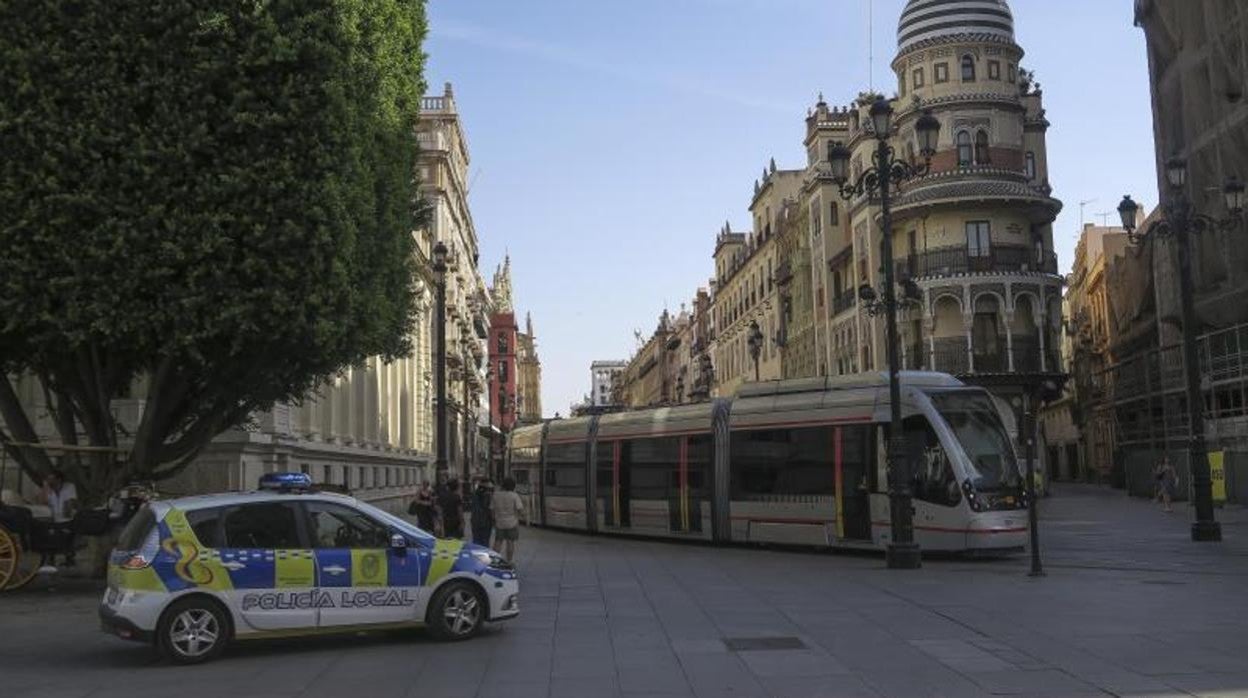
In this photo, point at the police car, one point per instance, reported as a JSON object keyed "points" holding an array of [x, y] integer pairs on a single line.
{"points": [[195, 573]]}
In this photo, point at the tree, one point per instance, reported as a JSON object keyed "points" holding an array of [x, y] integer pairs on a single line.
{"points": [[205, 204]]}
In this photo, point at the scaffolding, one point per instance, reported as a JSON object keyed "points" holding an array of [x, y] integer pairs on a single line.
{"points": [[1146, 394]]}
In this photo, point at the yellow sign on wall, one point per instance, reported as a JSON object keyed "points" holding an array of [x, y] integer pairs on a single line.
{"points": [[1217, 474]]}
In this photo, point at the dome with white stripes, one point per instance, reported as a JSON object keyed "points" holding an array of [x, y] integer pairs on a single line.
{"points": [[931, 19]]}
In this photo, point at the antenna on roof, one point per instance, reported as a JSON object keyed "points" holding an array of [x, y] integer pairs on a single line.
{"points": [[1082, 205], [1104, 216], [871, 45]]}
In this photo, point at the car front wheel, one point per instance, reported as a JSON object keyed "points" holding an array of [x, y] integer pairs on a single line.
{"points": [[457, 611], [192, 631]]}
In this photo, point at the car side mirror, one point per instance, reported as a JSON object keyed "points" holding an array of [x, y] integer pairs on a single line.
{"points": [[398, 543]]}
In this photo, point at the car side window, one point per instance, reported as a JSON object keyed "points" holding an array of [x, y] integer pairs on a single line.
{"points": [[206, 524], [337, 526], [269, 525]]}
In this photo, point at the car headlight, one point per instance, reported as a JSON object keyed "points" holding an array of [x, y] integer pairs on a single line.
{"points": [[489, 558]]}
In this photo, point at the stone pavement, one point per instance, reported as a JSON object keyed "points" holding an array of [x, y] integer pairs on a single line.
{"points": [[1130, 607]]}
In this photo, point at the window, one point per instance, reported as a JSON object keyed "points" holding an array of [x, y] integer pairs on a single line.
{"points": [[1029, 165], [994, 70], [815, 223], [918, 78], [834, 214], [565, 470], [981, 148], [271, 525], [978, 238], [327, 474], [968, 69], [1011, 73], [934, 480], [941, 72], [336, 526], [775, 463], [502, 343], [650, 465], [206, 524], [964, 149], [502, 371]]}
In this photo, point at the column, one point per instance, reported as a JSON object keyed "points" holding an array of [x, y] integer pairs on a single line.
{"points": [[1009, 340], [1040, 330], [968, 321], [325, 415]]}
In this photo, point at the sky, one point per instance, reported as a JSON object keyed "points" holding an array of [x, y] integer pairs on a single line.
{"points": [[610, 140]]}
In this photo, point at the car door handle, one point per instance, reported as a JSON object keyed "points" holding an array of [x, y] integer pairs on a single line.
{"points": [[334, 569]]}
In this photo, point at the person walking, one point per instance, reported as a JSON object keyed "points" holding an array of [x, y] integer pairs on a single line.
{"points": [[482, 516], [508, 507], [424, 507], [452, 504], [1167, 483]]}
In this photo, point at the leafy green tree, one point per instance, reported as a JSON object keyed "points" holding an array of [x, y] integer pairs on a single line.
{"points": [[207, 205]]}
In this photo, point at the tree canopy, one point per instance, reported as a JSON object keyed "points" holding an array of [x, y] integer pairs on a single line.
{"points": [[207, 202]]}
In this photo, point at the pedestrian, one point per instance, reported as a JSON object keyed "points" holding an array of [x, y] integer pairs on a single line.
{"points": [[1167, 483], [508, 507], [482, 517], [62, 498], [423, 507], [452, 511]]}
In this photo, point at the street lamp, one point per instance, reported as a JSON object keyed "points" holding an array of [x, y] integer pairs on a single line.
{"points": [[755, 342], [465, 346], [439, 324], [490, 392], [1180, 221], [888, 171]]}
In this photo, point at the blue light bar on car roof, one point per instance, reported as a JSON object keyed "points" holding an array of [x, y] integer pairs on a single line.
{"points": [[285, 481]]}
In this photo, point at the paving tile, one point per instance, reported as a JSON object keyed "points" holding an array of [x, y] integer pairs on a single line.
{"points": [[798, 663]]}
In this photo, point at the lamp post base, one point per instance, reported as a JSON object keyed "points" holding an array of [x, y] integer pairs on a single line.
{"points": [[1207, 531], [903, 556]]}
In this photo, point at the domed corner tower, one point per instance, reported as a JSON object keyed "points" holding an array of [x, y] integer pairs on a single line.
{"points": [[975, 233]]}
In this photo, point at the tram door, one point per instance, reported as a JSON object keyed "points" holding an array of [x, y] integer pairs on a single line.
{"points": [[855, 476], [624, 485], [613, 484]]}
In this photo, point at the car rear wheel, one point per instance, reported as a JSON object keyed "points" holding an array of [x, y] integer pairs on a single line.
{"points": [[192, 631], [457, 611]]}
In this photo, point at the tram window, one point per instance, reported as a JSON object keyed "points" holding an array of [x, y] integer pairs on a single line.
{"points": [[565, 470], [929, 464], [649, 462], [699, 462], [782, 462]]}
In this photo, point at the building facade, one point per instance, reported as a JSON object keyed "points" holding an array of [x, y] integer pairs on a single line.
{"points": [[603, 376], [1198, 68], [528, 375]]}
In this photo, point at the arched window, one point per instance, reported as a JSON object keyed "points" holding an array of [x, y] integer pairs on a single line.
{"points": [[968, 68], [1029, 165], [964, 149], [981, 148]]}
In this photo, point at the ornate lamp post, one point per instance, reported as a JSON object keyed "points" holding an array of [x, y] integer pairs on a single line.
{"points": [[439, 348], [1180, 221], [465, 346], [490, 392], [887, 171], [755, 343]]}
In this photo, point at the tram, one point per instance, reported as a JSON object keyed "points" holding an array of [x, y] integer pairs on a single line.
{"points": [[797, 462]]}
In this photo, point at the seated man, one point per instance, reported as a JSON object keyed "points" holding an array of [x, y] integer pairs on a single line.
{"points": [[62, 498]]}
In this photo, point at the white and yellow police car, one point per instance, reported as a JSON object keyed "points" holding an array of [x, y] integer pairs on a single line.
{"points": [[195, 573]]}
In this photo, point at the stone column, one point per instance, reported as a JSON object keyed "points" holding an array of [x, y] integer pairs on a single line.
{"points": [[1009, 340], [968, 322]]}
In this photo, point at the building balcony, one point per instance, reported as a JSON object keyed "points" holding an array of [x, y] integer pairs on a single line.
{"points": [[952, 355], [844, 302], [958, 260]]}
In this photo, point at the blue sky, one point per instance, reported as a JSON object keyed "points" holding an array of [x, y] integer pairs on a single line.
{"points": [[611, 139]]}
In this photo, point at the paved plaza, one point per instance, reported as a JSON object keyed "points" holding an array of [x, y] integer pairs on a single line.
{"points": [[1130, 607]]}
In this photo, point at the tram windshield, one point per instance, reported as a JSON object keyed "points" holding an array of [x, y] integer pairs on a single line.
{"points": [[974, 420]]}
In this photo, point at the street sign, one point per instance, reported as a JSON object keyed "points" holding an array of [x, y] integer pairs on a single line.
{"points": [[1217, 476]]}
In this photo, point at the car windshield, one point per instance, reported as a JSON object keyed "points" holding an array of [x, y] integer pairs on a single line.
{"points": [[395, 521], [974, 420]]}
